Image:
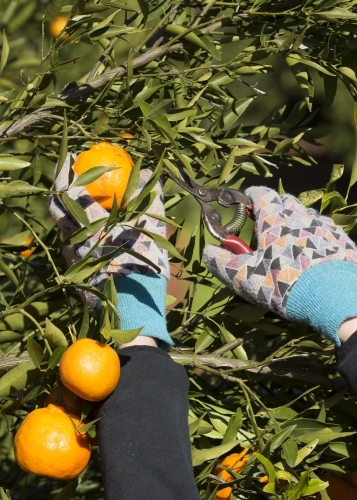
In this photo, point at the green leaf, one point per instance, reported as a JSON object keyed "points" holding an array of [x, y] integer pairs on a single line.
{"points": [[91, 175], [68, 492], [204, 340], [18, 378], [9, 336], [195, 37], [268, 466], [201, 456], [85, 324], [290, 451], [306, 451], [53, 8], [125, 336], [308, 198], [84, 233], [56, 356], [101, 125], [54, 335], [3, 495], [234, 424], [4, 52], [163, 242], [76, 211], [280, 437], [337, 13], [133, 181], [85, 428], [35, 351], [18, 188]]}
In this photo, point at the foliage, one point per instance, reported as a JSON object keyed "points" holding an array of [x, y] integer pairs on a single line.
{"points": [[192, 82]]}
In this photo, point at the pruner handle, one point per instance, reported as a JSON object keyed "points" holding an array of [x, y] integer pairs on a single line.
{"points": [[236, 245]]}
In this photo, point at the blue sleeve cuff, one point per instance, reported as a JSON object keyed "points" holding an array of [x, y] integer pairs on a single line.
{"points": [[142, 303], [324, 297]]}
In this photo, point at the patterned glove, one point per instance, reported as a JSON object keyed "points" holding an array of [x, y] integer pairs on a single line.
{"points": [[282, 274], [142, 291]]}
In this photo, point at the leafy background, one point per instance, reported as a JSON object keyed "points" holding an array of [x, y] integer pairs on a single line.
{"points": [[236, 93]]}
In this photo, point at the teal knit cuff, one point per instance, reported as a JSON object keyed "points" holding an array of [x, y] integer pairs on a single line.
{"points": [[324, 297], [142, 303]]}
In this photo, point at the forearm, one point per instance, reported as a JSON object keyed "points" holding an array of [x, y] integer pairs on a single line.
{"points": [[143, 435]]}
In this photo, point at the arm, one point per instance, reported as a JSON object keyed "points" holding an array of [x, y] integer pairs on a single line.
{"points": [[304, 269]]}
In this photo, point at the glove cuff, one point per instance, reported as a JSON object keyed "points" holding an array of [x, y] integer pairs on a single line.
{"points": [[142, 303], [324, 297]]}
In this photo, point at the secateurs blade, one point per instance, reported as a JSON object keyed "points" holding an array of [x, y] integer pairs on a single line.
{"points": [[212, 217]]}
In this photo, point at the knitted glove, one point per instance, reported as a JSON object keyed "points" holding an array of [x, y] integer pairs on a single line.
{"points": [[142, 291], [282, 274]]}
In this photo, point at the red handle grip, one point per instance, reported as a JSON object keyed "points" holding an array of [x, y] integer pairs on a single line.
{"points": [[236, 245]]}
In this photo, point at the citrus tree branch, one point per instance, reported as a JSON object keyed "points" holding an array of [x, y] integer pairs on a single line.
{"points": [[71, 95]]}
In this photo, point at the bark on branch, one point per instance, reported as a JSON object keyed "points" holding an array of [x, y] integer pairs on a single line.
{"points": [[275, 369], [71, 96]]}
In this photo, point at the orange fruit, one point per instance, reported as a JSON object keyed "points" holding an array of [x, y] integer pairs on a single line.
{"points": [[57, 25], [234, 462], [48, 444], [112, 183], [27, 253], [71, 402], [90, 369]]}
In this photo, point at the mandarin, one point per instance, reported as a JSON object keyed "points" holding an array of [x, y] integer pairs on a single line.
{"points": [[48, 444], [111, 183], [234, 462], [90, 369], [57, 25]]}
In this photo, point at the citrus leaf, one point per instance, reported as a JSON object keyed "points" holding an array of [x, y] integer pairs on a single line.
{"points": [[76, 211], [125, 336], [68, 492], [234, 424], [201, 456], [35, 351], [54, 335], [18, 188], [56, 356], [17, 378], [9, 336], [91, 175], [4, 52], [12, 163]]}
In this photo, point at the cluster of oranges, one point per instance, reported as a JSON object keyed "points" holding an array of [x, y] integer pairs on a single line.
{"points": [[49, 441]]}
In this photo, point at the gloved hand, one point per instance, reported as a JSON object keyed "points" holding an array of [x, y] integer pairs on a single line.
{"points": [[142, 291], [282, 274]]}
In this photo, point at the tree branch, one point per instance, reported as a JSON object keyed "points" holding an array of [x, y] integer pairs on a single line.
{"points": [[73, 95], [274, 369]]}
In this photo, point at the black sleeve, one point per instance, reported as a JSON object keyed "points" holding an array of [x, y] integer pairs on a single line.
{"points": [[143, 436], [347, 362]]}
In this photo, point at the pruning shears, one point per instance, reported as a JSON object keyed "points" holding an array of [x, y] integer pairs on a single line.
{"points": [[212, 217]]}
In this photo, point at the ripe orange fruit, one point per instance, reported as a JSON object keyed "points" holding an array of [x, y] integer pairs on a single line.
{"points": [[57, 25], [90, 369], [47, 444], [27, 253], [234, 462], [112, 183], [71, 402]]}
